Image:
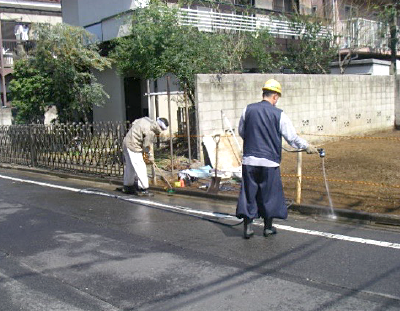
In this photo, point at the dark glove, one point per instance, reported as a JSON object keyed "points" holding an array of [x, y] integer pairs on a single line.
{"points": [[311, 149]]}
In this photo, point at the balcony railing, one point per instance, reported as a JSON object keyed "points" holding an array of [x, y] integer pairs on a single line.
{"points": [[358, 33], [214, 21], [14, 48]]}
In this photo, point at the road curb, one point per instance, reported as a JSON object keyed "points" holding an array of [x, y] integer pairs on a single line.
{"points": [[359, 216], [308, 210], [62, 174]]}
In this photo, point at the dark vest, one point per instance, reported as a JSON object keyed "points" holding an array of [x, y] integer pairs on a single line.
{"points": [[262, 135]]}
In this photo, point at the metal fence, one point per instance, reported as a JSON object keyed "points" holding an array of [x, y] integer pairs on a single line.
{"points": [[15, 48], [361, 32], [88, 148]]}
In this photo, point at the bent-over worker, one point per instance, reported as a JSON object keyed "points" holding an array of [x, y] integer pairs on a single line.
{"points": [[138, 144]]}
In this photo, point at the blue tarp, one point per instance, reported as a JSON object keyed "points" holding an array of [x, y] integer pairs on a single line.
{"points": [[201, 172]]}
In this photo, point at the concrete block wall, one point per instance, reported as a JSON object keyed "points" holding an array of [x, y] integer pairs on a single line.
{"points": [[397, 104], [320, 106], [5, 116]]}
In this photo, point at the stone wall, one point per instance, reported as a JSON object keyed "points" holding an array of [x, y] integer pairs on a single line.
{"points": [[320, 106]]}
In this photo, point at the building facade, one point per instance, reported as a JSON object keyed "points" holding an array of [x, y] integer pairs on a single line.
{"points": [[109, 20], [16, 18], [355, 23]]}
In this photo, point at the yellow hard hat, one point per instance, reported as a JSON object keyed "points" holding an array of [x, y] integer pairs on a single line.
{"points": [[272, 85]]}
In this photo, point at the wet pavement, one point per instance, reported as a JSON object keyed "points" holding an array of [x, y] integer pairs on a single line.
{"points": [[61, 249]]}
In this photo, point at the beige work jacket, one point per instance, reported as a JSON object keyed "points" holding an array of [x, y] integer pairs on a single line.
{"points": [[141, 136]]}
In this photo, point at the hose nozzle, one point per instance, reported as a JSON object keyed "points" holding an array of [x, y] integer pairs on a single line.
{"points": [[321, 152]]}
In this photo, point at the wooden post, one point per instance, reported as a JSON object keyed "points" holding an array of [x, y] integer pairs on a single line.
{"points": [[151, 116], [298, 176], [156, 107], [188, 129], [171, 147]]}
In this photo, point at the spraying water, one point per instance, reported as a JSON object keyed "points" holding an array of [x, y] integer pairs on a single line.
{"points": [[322, 155]]}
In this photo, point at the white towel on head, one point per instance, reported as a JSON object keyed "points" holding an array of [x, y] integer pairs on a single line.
{"points": [[161, 124]]}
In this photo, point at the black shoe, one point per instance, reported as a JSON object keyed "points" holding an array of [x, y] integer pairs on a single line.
{"points": [[144, 193], [127, 190], [268, 228], [248, 230]]}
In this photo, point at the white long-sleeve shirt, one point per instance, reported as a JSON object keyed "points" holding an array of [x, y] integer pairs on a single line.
{"points": [[288, 132]]}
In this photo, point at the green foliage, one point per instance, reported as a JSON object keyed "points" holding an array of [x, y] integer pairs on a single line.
{"points": [[158, 45], [258, 46], [314, 50], [58, 72], [30, 92]]}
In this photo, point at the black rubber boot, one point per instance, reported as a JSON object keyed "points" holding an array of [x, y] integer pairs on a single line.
{"points": [[127, 190], [268, 228], [248, 230]]}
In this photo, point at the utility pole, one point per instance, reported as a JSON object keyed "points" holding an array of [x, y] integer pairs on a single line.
{"points": [[3, 78], [393, 37], [393, 58]]}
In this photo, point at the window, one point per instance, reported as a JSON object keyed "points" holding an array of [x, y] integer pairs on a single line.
{"points": [[350, 11], [245, 2], [278, 5], [287, 6], [314, 10], [12, 30]]}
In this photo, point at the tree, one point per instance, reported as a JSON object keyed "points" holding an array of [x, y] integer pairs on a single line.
{"points": [[388, 15], [30, 92], [159, 44], [313, 52], [58, 72], [359, 29]]}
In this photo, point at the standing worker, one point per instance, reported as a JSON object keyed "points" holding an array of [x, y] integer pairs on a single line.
{"points": [[138, 144], [262, 126]]}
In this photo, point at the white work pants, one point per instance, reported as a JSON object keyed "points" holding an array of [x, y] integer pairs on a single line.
{"points": [[135, 168]]}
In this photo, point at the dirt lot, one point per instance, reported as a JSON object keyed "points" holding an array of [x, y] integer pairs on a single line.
{"points": [[363, 174]]}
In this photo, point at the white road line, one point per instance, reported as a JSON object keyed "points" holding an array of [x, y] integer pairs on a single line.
{"points": [[190, 211], [340, 237]]}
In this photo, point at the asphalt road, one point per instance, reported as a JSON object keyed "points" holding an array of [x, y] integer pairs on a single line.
{"points": [[61, 249]]}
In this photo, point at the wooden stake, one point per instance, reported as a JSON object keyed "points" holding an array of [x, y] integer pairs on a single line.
{"points": [[299, 174]]}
